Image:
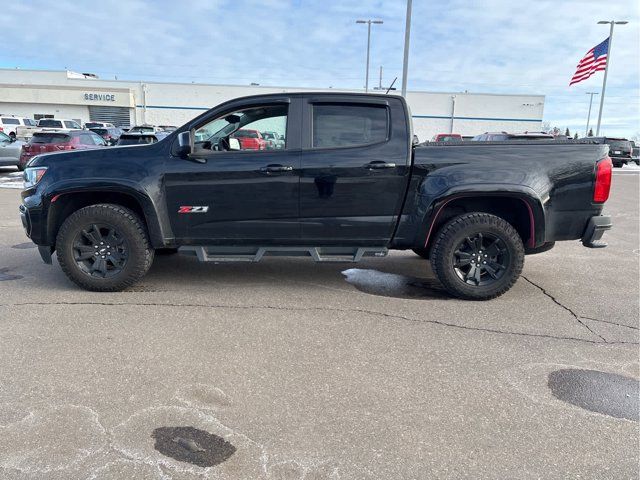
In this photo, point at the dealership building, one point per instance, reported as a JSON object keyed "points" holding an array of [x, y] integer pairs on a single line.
{"points": [[83, 97]]}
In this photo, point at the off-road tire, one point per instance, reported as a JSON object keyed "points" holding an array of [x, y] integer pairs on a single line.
{"points": [[450, 237], [128, 225]]}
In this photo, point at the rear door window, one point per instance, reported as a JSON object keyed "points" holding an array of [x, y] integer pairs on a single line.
{"points": [[344, 125]]}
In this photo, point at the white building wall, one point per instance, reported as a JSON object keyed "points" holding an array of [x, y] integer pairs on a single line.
{"points": [[177, 103]]}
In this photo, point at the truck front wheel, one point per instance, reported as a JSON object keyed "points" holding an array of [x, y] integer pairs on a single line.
{"points": [[104, 248], [477, 256]]}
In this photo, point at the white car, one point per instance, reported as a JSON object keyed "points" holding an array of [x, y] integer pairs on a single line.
{"points": [[59, 123], [9, 124]]}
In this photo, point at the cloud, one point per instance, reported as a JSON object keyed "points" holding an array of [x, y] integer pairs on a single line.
{"points": [[481, 46]]}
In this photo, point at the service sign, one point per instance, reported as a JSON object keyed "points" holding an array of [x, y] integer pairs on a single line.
{"points": [[100, 97]]}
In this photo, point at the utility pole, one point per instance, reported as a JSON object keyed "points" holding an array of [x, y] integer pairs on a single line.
{"points": [[368, 22], [405, 61], [606, 68], [591, 94]]}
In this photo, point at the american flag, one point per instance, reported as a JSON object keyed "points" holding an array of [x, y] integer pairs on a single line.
{"points": [[594, 61]]}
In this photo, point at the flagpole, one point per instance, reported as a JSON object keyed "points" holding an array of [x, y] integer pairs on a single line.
{"points": [[606, 68]]}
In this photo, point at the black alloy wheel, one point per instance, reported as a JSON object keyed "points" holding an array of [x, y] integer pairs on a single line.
{"points": [[481, 259], [100, 251]]}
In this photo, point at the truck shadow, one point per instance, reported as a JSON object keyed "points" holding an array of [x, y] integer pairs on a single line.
{"points": [[400, 277], [384, 284]]}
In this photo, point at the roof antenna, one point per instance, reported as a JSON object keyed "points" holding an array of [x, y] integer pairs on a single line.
{"points": [[391, 86]]}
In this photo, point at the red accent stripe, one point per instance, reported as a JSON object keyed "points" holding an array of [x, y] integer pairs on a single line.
{"points": [[56, 197], [530, 241]]}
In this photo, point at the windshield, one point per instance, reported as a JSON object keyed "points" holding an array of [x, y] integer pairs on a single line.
{"points": [[141, 130], [93, 124], [49, 138], [100, 131], [49, 122], [246, 134], [616, 144]]}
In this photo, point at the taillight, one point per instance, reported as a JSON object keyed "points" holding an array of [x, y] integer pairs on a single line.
{"points": [[603, 180]]}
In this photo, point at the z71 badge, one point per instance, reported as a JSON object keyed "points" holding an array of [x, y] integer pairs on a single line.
{"points": [[199, 209]]}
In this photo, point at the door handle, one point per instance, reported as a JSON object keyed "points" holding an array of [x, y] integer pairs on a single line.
{"points": [[379, 165], [276, 168]]}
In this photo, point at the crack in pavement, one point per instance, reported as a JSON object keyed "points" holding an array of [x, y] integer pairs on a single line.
{"points": [[325, 309], [557, 302], [610, 323]]}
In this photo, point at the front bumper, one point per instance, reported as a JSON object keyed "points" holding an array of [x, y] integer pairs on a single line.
{"points": [[595, 229]]}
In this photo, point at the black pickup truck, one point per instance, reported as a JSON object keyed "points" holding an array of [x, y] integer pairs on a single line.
{"points": [[349, 183]]}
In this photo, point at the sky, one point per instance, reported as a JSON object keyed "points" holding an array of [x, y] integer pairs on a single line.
{"points": [[489, 46]]}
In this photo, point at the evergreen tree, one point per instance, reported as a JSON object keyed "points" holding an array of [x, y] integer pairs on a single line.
{"points": [[575, 136], [567, 133]]}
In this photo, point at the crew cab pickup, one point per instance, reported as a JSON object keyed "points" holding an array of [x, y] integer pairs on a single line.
{"points": [[348, 184]]}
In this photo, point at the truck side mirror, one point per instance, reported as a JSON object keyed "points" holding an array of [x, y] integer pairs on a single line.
{"points": [[184, 144]]}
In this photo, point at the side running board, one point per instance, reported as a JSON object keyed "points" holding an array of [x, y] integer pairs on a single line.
{"points": [[255, 254]]}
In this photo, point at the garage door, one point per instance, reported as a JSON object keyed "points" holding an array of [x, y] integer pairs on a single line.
{"points": [[119, 116]]}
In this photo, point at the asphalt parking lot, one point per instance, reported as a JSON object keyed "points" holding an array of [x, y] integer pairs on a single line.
{"points": [[288, 369]]}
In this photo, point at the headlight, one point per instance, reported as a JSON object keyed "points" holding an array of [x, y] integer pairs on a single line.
{"points": [[32, 175]]}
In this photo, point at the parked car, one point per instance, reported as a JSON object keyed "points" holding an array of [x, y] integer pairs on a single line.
{"points": [[45, 141], [447, 137], [10, 124], [138, 138], [327, 195], [110, 135], [620, 149], [10, 149], [168, 128], [274, 140], [250, 140], [60, 123], [508, 137], [90, 125]]}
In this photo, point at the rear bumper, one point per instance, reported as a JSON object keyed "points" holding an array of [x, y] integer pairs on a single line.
{"points": [[595, 229]]}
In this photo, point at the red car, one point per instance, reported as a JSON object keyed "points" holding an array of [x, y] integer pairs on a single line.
{"points": [[447, 137], [54, 141], [250, 140]]}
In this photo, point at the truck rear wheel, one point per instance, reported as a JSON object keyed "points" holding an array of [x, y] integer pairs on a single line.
{"points": [[477, 256], [104, 248]]}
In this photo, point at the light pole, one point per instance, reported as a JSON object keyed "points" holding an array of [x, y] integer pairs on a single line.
{"points": [[405, 61], [589, 114], [368, 22], [606, 69]]}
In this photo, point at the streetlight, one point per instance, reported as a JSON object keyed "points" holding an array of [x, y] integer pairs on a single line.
{"points": [[405, 60], [606, 68], [589, 114], [368, 22]]}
